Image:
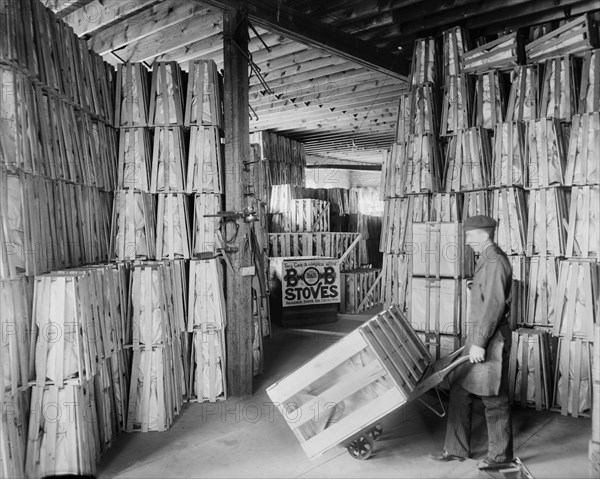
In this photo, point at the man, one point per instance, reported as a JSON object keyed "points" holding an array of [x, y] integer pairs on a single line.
{"points": [[488, 347]]}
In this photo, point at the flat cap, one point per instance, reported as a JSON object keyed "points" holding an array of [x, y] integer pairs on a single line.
{"points": [[479, 222]]}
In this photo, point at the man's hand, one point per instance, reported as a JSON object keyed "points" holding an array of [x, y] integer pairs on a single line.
{"points": [[476, 354]]}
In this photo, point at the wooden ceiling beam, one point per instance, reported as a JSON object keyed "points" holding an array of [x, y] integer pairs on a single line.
{"points": [[203, 25], [142, 25], [62, 8], [101, 13], [308, 30], [332, 101]]}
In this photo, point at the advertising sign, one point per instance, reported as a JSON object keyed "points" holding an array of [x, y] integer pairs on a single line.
{"points": [[310, 281]]}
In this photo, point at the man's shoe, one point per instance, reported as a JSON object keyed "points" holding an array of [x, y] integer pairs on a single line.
{"points": [[488, 463], [444, 456]]}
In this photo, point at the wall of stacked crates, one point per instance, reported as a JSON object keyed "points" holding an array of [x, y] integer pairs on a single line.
{"points": [[111, 254], [507, 127]]}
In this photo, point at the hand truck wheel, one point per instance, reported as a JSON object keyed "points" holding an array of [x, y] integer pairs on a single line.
{"points": [[376, 432], [361, 448]]}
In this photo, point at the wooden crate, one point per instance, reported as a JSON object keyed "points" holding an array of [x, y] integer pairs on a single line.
{"points": [[456, 104], [131, 109], [575, 303], [135, 157], [455, 43], [504, 53], [524, 94], [404, 121], [395, 283], [206, 225], [572, 383], [440, 345], [510, 212], [173, 229], [398, 216], [574, 37], [446, 207], [359, 290], [425, 66], [63, 431], [435, 305], [205, 161], [541, 291], [519, 290], [166, 95], [309, 215], [13, 432], [168, 161], [530, 369], [558, 98], [206, 295], [589, 91], [582, 156], [204, 103], [476, 203], [583, 235], [424, 110], [469, 160], [510, 156], [207, 377], [547, 153], [352, 384], [133, 226], [547, 222], [438, 250], [15, 317], [421, 165], [489, 105]]}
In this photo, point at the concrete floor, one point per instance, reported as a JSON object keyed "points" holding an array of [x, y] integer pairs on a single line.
{"points": [[249, 438]]}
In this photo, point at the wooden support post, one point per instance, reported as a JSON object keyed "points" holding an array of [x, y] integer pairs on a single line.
{"points": [[237, 151]]}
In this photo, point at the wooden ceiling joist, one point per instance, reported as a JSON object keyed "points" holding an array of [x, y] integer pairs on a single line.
{"points": [[308, 30]]}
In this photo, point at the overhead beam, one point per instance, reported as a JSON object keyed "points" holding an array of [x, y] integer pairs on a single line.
{"points": [[333, 166], [101, 13], [308, 30]]}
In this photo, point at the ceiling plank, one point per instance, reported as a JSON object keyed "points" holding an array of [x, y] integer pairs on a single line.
{"points": [[142, 25], [205, 24], [307, 30], [101, 13]]}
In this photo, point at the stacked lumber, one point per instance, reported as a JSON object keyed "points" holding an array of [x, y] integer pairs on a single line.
{"points": [[558, 97], [207, 321], [530, 370], [157, 374], [469, 159], [524, 94], [589, 92], [546, 222], [489, 104], [360, 290], [368, 373], [503, 53], [574, 37]]}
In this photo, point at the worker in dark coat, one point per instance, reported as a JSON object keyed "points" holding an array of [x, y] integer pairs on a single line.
{"points": [[488, 347]]}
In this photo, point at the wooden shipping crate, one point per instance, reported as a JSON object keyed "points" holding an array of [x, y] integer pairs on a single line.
{"points": [[425, 62], [583, 167], [168, 161], [490, 105], [395, 285], [435, 305], [574, 37], [204, 104], [456, 104], [204, 167], [352, 384], [359, 290], [13, 432], [510, 156], [583, 236], [547, 222], [542, 277], [530, 370], [166, 95], [589, 92], [455, 43], [439, 250], [440, 345], [524, 94], [207, 225], [558, 98], [469, 160], [509, 210], [131, 107], [173, 230], [503, 53], [135, 155]]}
